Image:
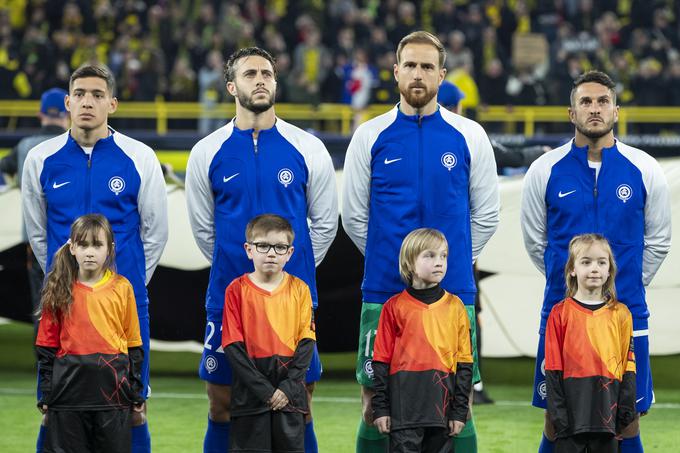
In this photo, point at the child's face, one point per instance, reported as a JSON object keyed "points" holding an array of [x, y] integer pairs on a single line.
{"points": [[91, 252], [591, 267], [269, 252], [430, 267]]}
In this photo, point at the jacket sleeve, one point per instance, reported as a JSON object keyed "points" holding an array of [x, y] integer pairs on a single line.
{"points": [[463, 383], [657, 222], [200, 201], [554, 372], [34, 208], [46, 356], [533, 215], [47, 344], [356, 190], [380, 403], [484, 196], [136, 357], [322, 202], [627, 392], [152, 203], [245, 368], [294, 384]]}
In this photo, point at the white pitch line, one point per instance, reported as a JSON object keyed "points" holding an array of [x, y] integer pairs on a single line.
{"points": [[317, 399]]}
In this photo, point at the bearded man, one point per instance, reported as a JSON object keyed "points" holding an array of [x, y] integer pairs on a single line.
{"points": [[418, 165], [256, 164]]}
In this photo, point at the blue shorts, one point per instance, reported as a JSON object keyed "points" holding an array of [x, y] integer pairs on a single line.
{"points": [[643, 373], [216, 369]]}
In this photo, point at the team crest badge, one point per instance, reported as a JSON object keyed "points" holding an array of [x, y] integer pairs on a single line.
{"points": [[624, 192], [286, 176], [542, 389], [448, 160], [116, 184], [368, 368], [210, 363]]}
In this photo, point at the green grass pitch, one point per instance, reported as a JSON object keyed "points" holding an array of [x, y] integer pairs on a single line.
{"points": [[178, 406]]}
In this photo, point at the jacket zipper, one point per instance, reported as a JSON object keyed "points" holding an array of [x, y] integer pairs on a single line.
{"points": [[420, 170], [258, 198]]}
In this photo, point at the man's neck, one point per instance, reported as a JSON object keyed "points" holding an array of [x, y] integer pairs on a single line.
{"points": [[246, 119], [89, 137], [595, 145], [427, 109]]}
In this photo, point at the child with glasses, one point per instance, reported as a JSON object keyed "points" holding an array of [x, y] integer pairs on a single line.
{"points": [[268, 337]]}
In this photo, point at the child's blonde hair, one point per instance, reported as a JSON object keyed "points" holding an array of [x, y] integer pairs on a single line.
{"points": [[413, 245], [56, 295], [576, 246]]}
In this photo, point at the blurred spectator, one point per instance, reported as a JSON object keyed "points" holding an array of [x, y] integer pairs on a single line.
{"points": [[457, 55], [182, 81], [525, 88], [386, 91], [358, 83], [158, 48], [211, 90], [311, 63], [492, 84]]}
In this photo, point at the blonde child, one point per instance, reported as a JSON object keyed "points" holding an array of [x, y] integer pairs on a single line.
{"points": [[89, 346], [589, 360], [422, 361], [269, 339]]}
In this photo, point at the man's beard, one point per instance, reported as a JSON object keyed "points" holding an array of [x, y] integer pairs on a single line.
{"points": [[257, 108], [594, 134], [417, 101]]}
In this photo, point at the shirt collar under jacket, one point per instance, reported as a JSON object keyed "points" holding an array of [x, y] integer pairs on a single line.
{"points": [[581, 152], [108, 140]]}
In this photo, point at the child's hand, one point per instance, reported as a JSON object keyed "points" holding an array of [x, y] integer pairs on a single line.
{"points": [[138, 407], [43, 409], [383, 424], [278, 401], [455, 427]]}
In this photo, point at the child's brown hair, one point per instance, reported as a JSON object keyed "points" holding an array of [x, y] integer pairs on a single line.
{"points": [[56, 295], [265, 223]]}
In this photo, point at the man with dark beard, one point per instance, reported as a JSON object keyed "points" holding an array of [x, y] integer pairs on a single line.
{"points": [[418, 165], [596, 184], [256, 164]]}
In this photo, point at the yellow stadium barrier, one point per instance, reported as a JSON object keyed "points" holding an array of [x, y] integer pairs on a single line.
{"points": [[343, 115]]}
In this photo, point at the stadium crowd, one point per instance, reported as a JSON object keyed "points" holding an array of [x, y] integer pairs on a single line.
{"points": [[341, 50]]}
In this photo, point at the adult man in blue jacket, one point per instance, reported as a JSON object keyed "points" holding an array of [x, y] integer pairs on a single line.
{"points": [[255, 164], [94, 169], [597, 184], [417, 165]]}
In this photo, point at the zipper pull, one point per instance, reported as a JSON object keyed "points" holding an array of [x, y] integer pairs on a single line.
{"points": [[595, 191], [89, 161]]}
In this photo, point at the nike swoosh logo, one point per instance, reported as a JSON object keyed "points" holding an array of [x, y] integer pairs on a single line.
{"points": [[562, 195], [389, 161], [225, 179], [56, 186], [639, 399]]}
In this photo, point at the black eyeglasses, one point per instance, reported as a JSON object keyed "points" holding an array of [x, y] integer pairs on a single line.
{"points": [[263, 247]]}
